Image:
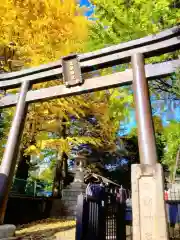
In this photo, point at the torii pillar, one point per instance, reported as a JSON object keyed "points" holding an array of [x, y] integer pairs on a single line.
{"points": [[148, 205]]}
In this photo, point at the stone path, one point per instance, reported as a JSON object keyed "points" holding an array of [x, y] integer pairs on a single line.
{"points": [[67, 235], [49, 229]]}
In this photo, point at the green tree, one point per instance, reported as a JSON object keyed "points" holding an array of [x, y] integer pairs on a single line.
{"points": [[124, 20], [172, 140], [121, 21]]}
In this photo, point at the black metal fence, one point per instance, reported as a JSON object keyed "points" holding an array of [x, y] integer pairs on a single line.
{"points": [[109, 220], [173, 215], [23, 209], [173, 212]]}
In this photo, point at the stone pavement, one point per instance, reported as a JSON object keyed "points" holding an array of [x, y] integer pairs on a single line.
{"points": [[49, 229], [66, 235]]}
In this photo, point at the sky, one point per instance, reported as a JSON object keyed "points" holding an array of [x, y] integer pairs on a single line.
{"points": [[166, 109], [87, 4]]}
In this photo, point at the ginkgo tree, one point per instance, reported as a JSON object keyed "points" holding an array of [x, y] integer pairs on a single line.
{"points": [[107, 111], [101, 127], [43, 31]]}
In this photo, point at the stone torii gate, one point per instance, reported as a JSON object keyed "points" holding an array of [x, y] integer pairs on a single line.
{"points": [[149, 217]]}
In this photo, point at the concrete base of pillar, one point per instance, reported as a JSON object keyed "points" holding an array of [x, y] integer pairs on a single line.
{"points": [[148, 205], [7, 231]]}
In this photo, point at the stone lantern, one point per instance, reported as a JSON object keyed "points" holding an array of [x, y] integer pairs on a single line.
{"points": [[80, 170], [77, 187]]}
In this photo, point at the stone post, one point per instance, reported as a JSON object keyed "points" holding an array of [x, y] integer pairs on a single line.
{"points": [[149, 212]]}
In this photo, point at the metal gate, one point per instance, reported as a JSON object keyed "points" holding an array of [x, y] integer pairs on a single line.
{"points": [[101, 219]]}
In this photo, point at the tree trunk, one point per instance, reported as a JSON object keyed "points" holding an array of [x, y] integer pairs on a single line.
{"points": [[176, 165], [61, 171], [22, 172], [64, 157], [57, 183], [65, 170]]}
